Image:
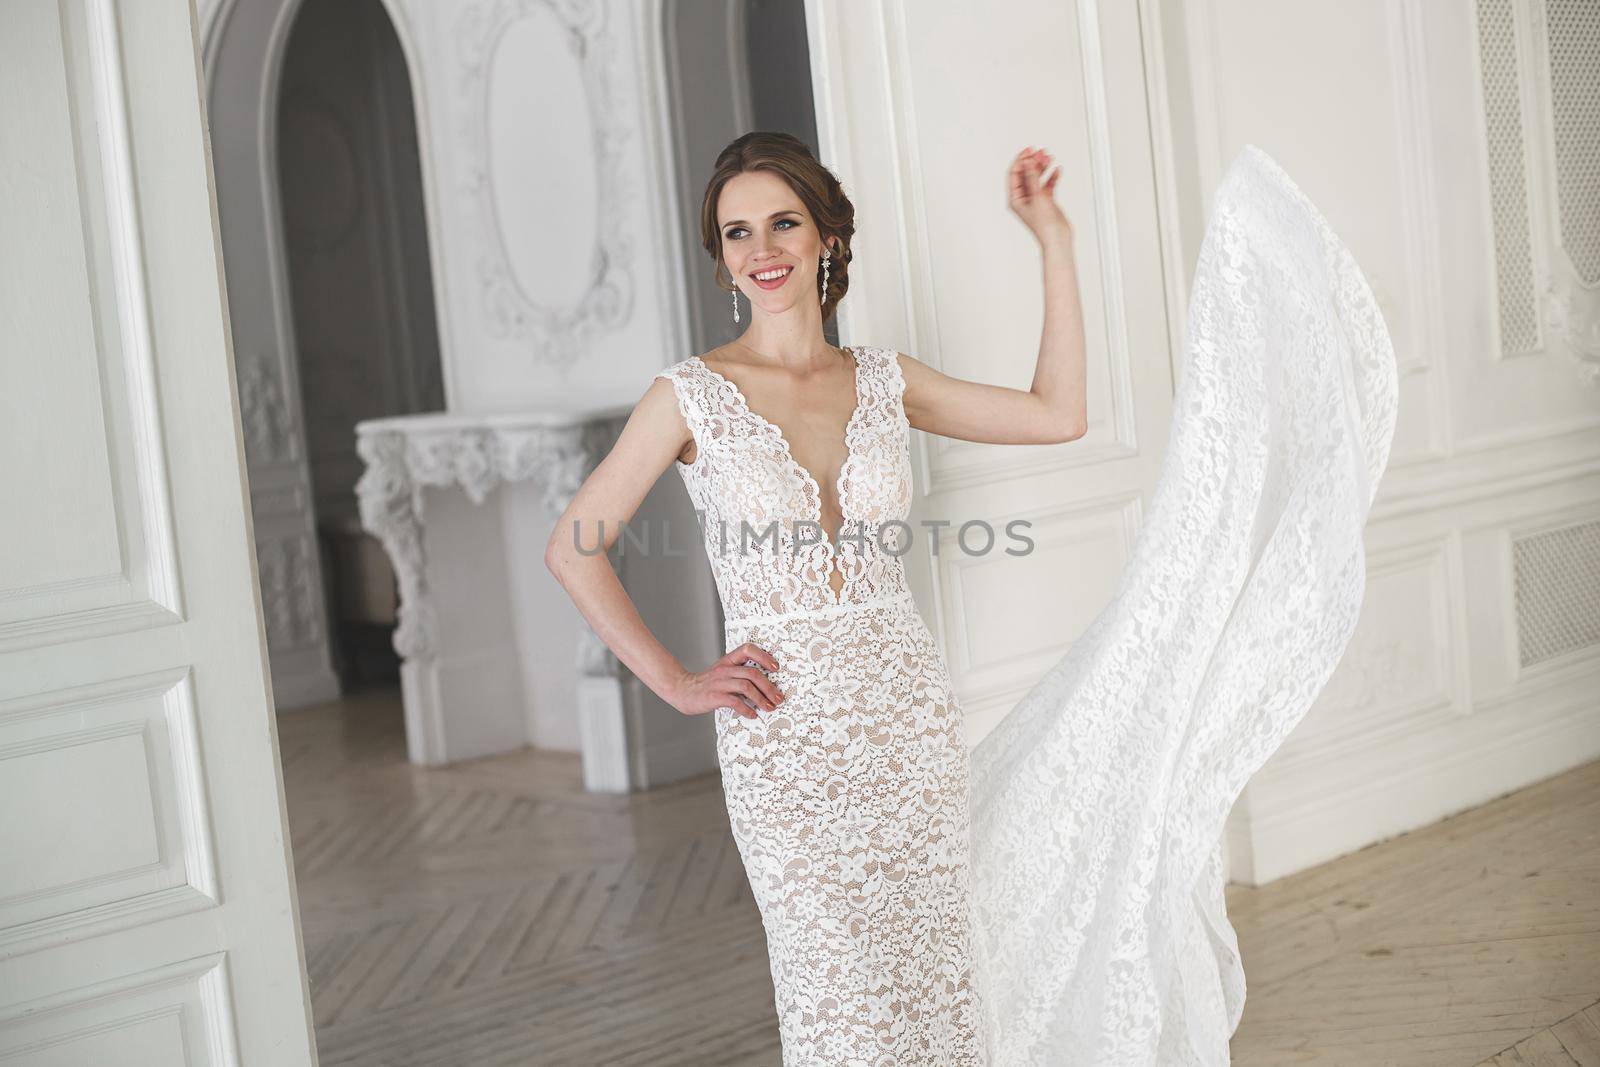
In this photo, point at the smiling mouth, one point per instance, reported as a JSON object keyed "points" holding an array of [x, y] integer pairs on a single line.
{"points": [[772, 279]]}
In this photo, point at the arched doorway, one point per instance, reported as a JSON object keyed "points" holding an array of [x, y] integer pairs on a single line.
{"points": [[325, 237], [356, 254]]}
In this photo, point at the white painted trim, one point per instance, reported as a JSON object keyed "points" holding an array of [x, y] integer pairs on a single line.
{"points": [[207, 975], [1537, 149], [213, 25], [655, 46], [1169, 204], [1204, 65], [1422, 237], [1326, 823], [1491, 465], [133, 304], [738, 51]]}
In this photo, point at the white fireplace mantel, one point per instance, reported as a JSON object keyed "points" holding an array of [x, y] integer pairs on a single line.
{"points": [[409, 453], [460, 671]]}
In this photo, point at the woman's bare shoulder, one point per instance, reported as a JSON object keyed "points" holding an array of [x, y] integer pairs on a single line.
{"points": [[675, 370], [716, 358], [659, 413]]}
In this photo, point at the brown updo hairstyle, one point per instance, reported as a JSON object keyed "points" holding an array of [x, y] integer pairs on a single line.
{"points": [[789, 158]]}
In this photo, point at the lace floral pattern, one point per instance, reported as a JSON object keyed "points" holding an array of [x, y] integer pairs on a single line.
{"points": [[1055, 895], [1098, 803], [849, 802], [754, 499]]}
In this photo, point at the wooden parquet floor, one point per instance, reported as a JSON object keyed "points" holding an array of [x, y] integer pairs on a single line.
{"points": [[494, 913]]}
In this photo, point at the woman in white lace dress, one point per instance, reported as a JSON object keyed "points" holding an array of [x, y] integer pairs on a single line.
{"points": [[1055, 897], [843, 757]]}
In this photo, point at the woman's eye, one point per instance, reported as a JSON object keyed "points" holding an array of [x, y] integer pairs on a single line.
{"points": [[738, 231]]}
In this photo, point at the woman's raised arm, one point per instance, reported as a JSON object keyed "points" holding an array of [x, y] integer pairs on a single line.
{"points": [[1054, 408]]}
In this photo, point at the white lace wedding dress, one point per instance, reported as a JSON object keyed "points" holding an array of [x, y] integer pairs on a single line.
{"points": [[1055, 895]]}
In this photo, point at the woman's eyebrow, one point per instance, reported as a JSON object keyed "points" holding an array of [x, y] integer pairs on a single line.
{"points": [[775, 214]]}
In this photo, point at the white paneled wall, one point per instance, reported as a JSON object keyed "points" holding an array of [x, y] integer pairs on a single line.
{"points": [[1477, 662], [1447, 143], [1427, 135], [945, 273]]}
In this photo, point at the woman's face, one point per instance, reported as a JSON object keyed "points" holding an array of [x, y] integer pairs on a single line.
{"points": [[765, 227]]}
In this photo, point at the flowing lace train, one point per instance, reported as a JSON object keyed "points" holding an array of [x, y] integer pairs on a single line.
{"points": [[1098, 803]]}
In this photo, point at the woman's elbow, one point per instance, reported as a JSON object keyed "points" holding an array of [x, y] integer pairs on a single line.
{"points": [[566, 554], [1061, 433], [1077, 423], [555, 557]]}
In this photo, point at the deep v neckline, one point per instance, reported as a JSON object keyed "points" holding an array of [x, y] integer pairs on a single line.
{"points": [[775, 432]]}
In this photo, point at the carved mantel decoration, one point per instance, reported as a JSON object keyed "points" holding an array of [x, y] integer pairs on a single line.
{"points": [[408, 454]]}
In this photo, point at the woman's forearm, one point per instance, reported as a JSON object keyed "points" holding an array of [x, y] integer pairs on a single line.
{"points": [[594, 587], [1061, 377]]}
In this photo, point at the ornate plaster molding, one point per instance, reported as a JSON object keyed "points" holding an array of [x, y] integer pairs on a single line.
{"points": [[264, 409], [557, 336], [1572, 314], [289, 596], [408, 454]]}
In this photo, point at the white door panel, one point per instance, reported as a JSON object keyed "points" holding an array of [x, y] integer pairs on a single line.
{"points": [[147, 910]]}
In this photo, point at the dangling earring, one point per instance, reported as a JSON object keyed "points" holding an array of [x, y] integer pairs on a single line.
{"points": [[825, 254], [736, 302]]}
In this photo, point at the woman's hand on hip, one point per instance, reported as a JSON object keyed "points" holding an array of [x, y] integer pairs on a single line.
{"points": [[731, 682]]}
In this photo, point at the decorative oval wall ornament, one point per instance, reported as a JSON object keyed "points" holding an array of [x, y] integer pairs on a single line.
{"points": [[541, 172], [521, 245]]}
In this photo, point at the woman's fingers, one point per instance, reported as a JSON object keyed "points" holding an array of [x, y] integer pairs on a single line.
{"points": [[1032, 175], [733, 696], [751, 650], [750, 696], [750, 689], [1028, 170], [1047, 167], [755, 696], [761, 682]]}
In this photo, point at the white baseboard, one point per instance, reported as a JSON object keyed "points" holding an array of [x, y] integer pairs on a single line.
{"points": [[1283, 826]]}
